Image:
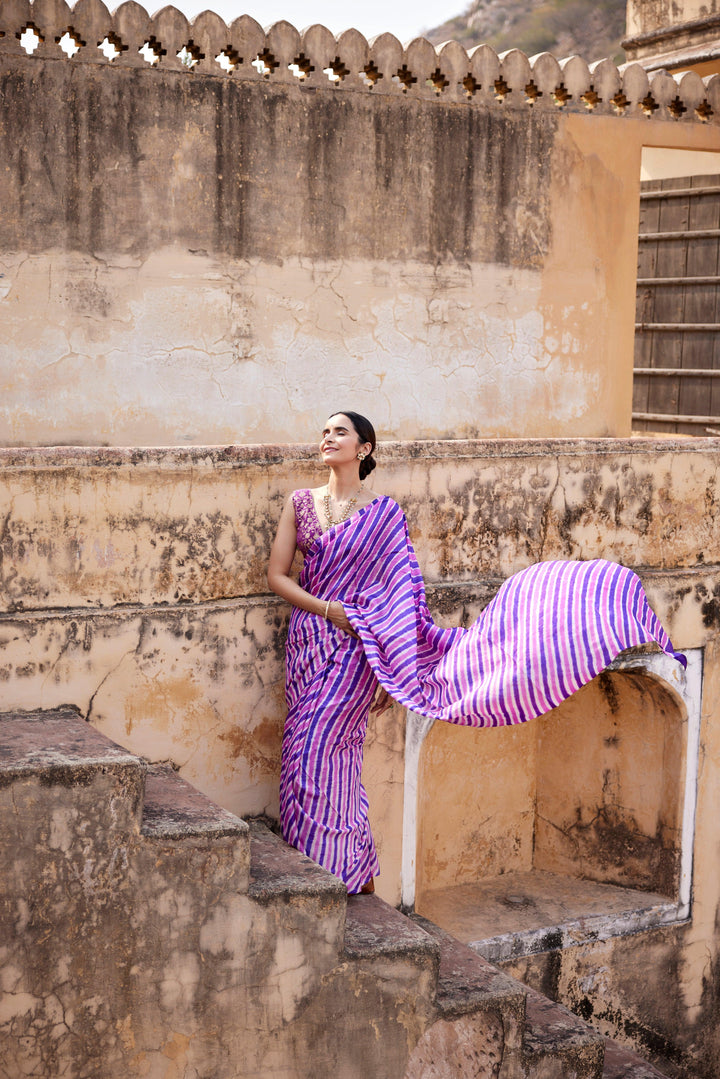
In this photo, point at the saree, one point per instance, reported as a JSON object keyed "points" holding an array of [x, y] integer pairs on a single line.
{"points": [[550, 629]]}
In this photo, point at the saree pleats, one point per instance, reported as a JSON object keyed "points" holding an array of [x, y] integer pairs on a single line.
{"points": [[323, 804]]}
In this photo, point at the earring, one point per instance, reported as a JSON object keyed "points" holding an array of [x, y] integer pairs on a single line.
{"points": [[361, 456]]}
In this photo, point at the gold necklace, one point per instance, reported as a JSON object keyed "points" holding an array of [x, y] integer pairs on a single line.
{"points": [[345, 513]]}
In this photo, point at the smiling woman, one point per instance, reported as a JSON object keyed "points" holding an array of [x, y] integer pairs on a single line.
{"points": [[361, 632], [323, 742]]}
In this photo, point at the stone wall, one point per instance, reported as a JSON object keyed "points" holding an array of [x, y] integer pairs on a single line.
{"points": [[132, 587], [191, 255], [132, 582]]}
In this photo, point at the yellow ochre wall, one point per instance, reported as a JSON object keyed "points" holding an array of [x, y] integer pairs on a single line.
{"points": [[247, 253], [210, 263]]}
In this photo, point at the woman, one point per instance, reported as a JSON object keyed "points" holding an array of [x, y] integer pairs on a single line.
{"points": [[360, 631]]}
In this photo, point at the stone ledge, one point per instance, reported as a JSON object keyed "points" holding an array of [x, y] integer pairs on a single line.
{"points": [[374, 930], [59, 747], [174, 809], [278, 871], [521, 914], [234, 457]]}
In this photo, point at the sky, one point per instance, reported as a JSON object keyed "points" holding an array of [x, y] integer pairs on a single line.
{"points": [[404, 18]]}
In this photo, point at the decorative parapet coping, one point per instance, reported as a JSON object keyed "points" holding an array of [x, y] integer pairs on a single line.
{"points": [[89, 34]]}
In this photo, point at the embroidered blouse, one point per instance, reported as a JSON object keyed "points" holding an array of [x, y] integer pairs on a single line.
{"points": [[306, 520]]}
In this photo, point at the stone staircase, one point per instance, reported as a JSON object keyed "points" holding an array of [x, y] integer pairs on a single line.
{"points": [[144, 931]]}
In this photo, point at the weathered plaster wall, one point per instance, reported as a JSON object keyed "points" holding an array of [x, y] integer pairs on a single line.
{"points": [[649, 16], [187, 258], [132, 585], [644, 16]]}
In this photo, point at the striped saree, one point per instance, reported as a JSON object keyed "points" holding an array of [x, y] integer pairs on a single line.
{"points": [[550, 629]]}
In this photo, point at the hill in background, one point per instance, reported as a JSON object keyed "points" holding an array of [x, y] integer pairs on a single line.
{"points": [[591, 28]]}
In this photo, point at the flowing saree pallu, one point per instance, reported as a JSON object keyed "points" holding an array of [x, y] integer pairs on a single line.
{"points": [[549, 630]]}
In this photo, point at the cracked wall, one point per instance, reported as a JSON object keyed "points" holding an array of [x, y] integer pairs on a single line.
{"points": [[132, 587], [195, 261], [136, 944]]}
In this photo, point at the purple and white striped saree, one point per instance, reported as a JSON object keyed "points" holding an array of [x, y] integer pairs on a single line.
{"points": [[550, 629]]}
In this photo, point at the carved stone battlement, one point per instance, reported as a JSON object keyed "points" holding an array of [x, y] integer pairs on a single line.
{"points": [[206, 46]]}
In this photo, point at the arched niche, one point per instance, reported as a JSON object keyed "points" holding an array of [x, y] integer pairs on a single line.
{"points": [[601, 789]]}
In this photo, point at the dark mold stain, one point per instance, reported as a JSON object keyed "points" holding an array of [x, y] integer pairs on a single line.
{"points": [[584, 1008], [609, 692], [709, 606]]}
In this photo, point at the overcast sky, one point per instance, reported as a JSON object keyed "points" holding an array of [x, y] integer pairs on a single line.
{"points": [[404, 18]]}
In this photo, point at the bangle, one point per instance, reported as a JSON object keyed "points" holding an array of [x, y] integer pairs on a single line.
{"points": [[327, 608]]}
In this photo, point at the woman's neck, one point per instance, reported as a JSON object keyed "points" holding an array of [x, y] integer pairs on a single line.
{"points": [[343, 483]]}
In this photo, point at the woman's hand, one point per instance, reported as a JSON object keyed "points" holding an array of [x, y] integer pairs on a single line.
{"points": [[382, 701], [336, 615]]}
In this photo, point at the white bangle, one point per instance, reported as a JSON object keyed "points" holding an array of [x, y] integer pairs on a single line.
{"points": [[327, 608]]}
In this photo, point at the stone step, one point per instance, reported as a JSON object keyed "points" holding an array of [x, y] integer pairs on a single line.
{"points": [[89, 775], [181, 827], [173, 808], [279, 871], [558, 1044], [466, 980], [138, 867], [374, 929], [470, 985], [621, 1063], [296, 893]]}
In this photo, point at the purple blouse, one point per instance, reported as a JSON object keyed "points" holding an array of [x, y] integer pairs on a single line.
{"points": [[306, 520]]}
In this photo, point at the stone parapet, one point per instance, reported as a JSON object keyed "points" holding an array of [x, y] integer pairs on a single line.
{"points": [[317, 59], [126, 531]]}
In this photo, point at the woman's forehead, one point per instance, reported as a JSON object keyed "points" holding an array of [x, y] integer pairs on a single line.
{"points": [[339, 419]]}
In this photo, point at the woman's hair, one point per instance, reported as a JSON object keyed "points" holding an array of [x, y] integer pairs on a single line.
{"points": [[366, 433]]}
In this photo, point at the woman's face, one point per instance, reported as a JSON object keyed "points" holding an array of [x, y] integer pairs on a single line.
{"points": [[340, 442]]}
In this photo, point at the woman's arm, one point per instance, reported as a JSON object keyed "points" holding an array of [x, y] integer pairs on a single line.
{"points": [[282, 584]]}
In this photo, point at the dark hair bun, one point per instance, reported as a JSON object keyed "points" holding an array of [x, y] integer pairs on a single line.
{"points": [[366, 433], [367, 466]]}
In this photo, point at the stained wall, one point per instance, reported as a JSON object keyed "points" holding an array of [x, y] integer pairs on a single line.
{"points": [[132, 586], [190, 256], [197, 258]]}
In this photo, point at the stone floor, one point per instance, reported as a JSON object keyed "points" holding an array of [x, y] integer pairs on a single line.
{"points": [[525, 913]]}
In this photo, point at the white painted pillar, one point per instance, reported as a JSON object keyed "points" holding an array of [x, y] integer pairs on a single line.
{"points": [[687, 684], [416, 730]]}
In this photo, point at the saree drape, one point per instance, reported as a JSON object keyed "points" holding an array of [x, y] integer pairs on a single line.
{"points": [[550, 629]]}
